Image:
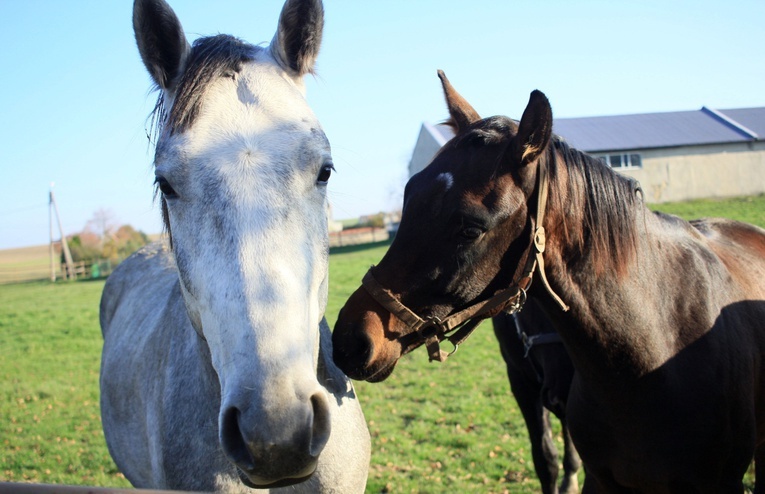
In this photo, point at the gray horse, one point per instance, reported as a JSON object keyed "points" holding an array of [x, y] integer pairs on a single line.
{"points": [[216, 371]]}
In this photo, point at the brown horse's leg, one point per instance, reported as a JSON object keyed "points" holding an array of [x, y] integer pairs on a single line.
{"points": [[759, 470], [604, 484], [543, 449], [571, 463], [526, 388]]}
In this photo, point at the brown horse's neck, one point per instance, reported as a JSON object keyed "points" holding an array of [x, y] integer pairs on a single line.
{"points": [[663, 290], [611, 331], [596, 232]]}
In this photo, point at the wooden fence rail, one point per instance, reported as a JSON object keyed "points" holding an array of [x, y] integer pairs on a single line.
{"points": [[21, 488], [81, 270]]}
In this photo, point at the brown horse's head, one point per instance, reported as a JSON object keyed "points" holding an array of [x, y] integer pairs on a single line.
{"points": [[465, 233]]}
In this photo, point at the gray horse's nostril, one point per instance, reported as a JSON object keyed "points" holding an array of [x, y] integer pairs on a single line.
{"points": [[232, 440], [285, 449], [321, 423]]}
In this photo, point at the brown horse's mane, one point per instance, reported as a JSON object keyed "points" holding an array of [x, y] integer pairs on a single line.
{"points": [[599, 208]]}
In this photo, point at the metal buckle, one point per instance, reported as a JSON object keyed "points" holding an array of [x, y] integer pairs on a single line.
{"points": [[519, 302], [430, 329]]}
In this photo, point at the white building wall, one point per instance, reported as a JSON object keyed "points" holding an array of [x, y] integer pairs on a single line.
{"points": [[667, 174], [428, 143], [694, 172]]}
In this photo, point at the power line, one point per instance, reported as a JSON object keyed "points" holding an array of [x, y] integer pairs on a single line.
{"points": [[24, 209]]}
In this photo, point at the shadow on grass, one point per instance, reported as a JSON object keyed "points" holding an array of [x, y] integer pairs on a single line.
{"points": [[345, 249], [91, 280]]}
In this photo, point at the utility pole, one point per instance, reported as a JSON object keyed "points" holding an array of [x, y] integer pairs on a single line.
{"points": [[64, 245], [50, 224]]}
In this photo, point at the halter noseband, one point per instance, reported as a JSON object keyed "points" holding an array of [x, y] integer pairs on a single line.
{"points": [[461, 324]]}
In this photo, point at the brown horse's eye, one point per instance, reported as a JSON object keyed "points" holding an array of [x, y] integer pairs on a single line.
{"points": [[471, 233]]}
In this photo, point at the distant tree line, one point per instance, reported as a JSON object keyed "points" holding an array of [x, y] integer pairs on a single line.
{"points": [[374, 221], [102, 240], [85, 246]]}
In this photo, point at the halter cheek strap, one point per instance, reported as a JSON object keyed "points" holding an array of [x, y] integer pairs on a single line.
{"points": [[432, 331]]}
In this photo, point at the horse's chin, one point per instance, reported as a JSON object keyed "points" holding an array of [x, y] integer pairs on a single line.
{"points": [[259, 483], [382, 374]]}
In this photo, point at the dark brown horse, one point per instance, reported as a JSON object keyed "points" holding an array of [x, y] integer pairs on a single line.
{"points": [[664, 319], [540, 373]]}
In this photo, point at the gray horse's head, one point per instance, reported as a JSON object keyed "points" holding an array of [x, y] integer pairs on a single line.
{"points": [[242, 165]]}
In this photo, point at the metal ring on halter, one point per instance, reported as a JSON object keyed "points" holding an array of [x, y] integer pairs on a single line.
{"points": [[430, 329], [456, 347], [519, 303]]}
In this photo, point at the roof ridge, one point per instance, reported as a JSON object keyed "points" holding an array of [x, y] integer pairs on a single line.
{"points": [[431, 128], [726, 120]]}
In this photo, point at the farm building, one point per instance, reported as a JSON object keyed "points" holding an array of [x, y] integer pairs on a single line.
{"points": [[674, 155]]}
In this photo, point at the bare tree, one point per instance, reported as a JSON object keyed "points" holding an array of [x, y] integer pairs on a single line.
{"points": [[103, 223]]}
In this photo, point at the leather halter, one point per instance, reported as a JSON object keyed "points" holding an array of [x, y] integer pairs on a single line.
{"points": [[461, 324], [534, 340]]}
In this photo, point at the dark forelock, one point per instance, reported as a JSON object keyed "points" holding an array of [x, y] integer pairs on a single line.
{"points": [[210, 58]]}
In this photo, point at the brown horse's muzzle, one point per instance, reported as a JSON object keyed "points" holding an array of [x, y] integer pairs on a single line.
{"points": [[365, 339]]}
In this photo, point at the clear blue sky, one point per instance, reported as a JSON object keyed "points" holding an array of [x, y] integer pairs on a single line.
{"points": [[74, 96]]}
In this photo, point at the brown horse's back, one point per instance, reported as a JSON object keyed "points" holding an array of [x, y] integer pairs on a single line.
{"points": [[741, 247]]}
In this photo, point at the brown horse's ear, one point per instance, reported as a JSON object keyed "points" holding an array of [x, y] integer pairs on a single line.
{"points": [[462, 114], [535, 129]]}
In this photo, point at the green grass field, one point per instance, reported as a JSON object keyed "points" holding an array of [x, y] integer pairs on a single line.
{"points": [[451, 427], [750, 209], [50, 426], [26, 264]]}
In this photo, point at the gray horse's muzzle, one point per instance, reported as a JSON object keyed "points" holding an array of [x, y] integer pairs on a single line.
{"points": [[276, 450]]}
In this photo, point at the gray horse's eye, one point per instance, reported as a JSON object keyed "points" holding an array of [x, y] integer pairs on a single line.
{"points": [[165, 187], [325, 173]]}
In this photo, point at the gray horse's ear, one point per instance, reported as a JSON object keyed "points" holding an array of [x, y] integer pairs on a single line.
{"points": [[161, 41], [298, 38], [461, 112], [534, 130]]}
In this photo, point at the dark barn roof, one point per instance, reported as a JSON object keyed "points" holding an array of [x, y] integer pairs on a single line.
{"points": [[657, 130]]}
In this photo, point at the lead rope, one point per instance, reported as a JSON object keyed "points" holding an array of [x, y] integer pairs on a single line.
{"points": [[539, 234]]}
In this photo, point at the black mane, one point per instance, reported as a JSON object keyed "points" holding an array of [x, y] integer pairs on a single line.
{"points": [[610, 204], [599, 206], [210, 58]]}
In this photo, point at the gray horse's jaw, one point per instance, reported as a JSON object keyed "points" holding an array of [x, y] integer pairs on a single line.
{"points": [[261, 484]]}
